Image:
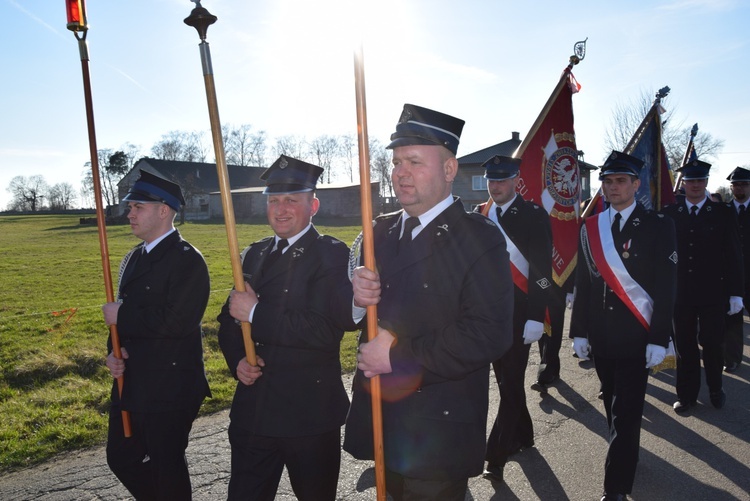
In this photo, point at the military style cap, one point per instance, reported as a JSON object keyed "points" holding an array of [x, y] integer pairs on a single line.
{"points": [[419, 125], [289, 175], [152, 188], [694, 169], [499, 168], [739, 174], [620, 163]]}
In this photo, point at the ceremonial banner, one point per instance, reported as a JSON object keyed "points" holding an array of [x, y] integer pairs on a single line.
{"points": [[550, 175], [656, 182]]}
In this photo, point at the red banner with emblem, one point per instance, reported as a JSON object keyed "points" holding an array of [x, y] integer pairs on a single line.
{"points": [[550, 175]]}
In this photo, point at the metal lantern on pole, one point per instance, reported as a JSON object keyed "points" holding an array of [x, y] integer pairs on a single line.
{"points": [[78, 23], [201, 19]]}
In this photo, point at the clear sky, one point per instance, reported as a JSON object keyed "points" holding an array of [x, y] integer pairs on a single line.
{"points": [[286, 67]]}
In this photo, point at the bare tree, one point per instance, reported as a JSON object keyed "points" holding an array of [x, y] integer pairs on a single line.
{"points": [[61, 196], [132, 152], [291, 146], [180, 146], [380, 167], [626, 117], [347, 150], [28, 193], [111, 171], [244, 147], [323, 151]]}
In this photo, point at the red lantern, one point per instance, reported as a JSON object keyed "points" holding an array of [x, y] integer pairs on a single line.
{"points": [[77, 15]]}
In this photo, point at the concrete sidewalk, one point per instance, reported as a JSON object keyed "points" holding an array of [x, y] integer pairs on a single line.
{"points": [[702, 456]]}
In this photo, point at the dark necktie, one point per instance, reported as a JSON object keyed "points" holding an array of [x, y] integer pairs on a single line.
{"points": [[499, 212], [694, 210], [616, 226], [409, 225], [276, 254], [741, 210]]}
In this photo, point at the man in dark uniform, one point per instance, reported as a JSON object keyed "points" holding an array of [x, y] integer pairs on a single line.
{"points": [[622, 311], [709, 285], [528, 237], [163, 293], [733, 338], [288, 407], [444, 300]]}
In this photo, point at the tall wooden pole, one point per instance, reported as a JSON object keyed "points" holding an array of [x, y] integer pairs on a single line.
{"points": [[201, 19], [368, 251], [77, 22]]}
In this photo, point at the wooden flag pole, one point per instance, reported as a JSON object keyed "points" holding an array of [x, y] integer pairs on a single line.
{"points": [[201, 19], [77, 22], [368, 251], [686, 157]]}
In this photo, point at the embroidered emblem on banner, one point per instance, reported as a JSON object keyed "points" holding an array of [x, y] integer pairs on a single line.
{"points": [[561, 176]]}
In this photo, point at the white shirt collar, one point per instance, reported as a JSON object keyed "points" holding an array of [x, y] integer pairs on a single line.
{"points": [[493, 213], [624, 213], [290, 240], [428, 216], [150, 247]]}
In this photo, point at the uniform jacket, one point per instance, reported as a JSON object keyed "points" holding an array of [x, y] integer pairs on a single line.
{"points": [[710, 267], [599, 315], [528, 227], [301, 391], [743, 222], [164, 294], [448, 299]]}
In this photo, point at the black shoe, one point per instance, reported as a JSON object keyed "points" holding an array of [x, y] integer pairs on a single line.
{"points": [[681, 407], [718, 398], [518, 447], [731, 367], [547, 380], [614, 497], [493, 473]]}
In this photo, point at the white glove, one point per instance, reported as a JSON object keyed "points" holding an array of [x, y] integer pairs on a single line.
{"points": [[582, 347], [735, 305], [569, 298], [654, 355], [532, 331]]}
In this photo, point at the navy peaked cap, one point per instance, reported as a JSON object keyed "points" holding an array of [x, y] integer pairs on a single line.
{"points": [[501, 167], [152, 188], [289, 175], [419, 125], [695, 169], [739, 174], [621, 163]]}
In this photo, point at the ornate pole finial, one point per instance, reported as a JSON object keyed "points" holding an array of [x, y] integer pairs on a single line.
{"points": [[579, 52], [200, 19]]}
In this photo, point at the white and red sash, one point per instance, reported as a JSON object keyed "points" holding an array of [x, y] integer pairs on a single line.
{"points": [[519, 265], [607, 260]]}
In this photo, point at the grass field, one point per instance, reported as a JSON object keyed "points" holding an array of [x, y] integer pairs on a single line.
{"points": [[54, 387]]}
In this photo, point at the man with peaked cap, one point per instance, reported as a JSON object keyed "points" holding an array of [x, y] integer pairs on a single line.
{"points": [[528, 237], [622, 311], [163, 293], [733, 337], [290, 403], [444, 300], [709, 286]]}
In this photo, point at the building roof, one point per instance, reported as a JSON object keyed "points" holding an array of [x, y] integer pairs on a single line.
{"points": [[202, 176], [506, 148]]}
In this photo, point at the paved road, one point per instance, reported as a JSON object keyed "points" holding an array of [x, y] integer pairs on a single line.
{"points": [[703, 456]]}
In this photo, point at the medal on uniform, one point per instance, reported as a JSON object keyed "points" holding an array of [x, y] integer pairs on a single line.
{"points": [[625, 247]]}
